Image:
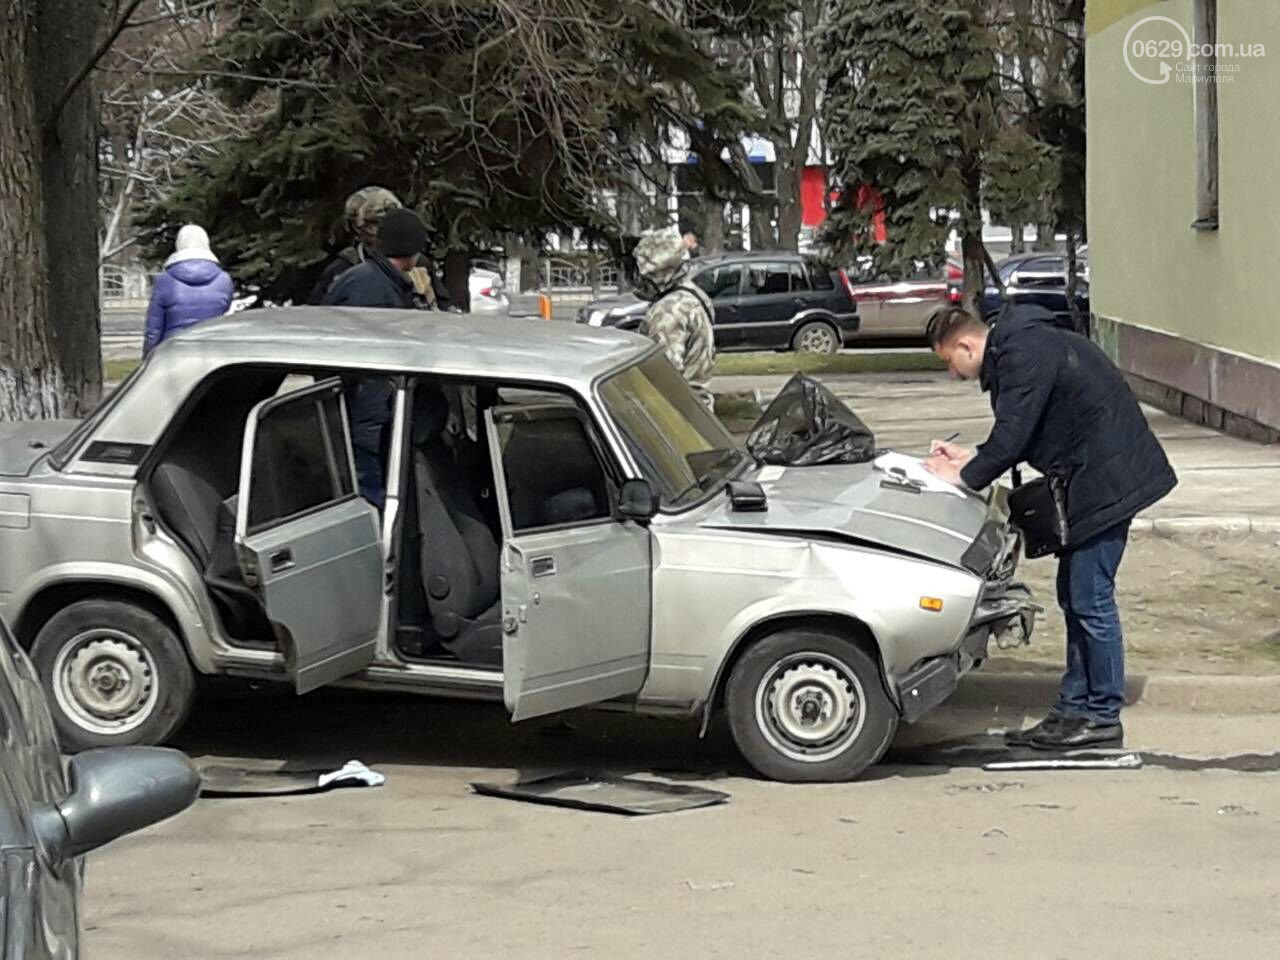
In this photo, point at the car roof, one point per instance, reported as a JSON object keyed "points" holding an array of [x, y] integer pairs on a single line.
{"points": [[1040, 255], [737, 255], [412, 340]]}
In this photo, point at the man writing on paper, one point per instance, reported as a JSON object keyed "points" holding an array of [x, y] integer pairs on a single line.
{"points": [[1061, 406]]}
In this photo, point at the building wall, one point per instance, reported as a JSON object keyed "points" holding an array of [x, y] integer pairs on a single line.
{"points": [[1192, 311]]}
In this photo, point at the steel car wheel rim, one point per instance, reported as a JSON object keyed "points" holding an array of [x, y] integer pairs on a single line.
{"points": [[810, 707], [817, 340], [105, 681]]}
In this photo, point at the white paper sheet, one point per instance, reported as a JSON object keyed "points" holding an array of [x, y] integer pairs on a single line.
{"points": [[913, 468]]}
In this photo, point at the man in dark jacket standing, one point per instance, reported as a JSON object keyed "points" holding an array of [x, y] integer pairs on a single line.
{"points": [[380, 281], [363, 213], [1061, 406]]}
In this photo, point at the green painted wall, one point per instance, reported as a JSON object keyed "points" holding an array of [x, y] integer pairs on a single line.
{"points": [[1148, 266]]}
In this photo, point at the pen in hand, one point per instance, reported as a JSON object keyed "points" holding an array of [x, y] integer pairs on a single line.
{"points": [[936, 447]]}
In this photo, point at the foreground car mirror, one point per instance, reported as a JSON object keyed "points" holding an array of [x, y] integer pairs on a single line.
{"points": [[637, 501], [115, 792]]}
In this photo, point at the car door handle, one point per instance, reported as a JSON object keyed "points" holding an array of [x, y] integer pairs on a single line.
{"points": [[281, 560], [542, 567]]}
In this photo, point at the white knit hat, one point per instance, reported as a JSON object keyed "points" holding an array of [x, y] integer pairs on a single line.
{"points": [[193, 244]]}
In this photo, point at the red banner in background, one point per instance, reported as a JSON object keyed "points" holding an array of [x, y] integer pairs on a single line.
{"points": [[813, 199]]}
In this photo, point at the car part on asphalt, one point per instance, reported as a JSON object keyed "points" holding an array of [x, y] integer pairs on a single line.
{"points": [[628, 796], [271, 779], [117, 674], [806, 424], [1091, 761]]}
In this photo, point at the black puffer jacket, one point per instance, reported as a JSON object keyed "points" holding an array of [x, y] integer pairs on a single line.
{"points": [[1062, 406]]}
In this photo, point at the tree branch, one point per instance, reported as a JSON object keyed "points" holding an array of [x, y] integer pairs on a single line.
{"points": [[60, 104]]}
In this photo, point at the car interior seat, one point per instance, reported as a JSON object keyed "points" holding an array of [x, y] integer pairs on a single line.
{"points": [[194, 489], [459, 552]]}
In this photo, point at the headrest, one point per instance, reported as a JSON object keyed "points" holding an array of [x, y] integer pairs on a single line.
{"points": [[430, 414]]}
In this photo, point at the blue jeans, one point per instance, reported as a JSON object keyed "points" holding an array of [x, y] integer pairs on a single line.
{"points": [[1093, 684]]}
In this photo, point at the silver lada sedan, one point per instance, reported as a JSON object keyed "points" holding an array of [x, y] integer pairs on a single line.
{"points": [[560, 524]]}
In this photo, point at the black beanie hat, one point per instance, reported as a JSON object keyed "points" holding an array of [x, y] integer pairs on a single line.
{"points": [[402, 233]]}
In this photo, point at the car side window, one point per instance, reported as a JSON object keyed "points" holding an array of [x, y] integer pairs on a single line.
{"points": [[769, 278], [721, 283], [552, 469], [799, 280], [300, 460], [821, 277]]}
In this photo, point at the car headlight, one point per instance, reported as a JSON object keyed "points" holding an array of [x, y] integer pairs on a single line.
{"points": [[597, 318]]}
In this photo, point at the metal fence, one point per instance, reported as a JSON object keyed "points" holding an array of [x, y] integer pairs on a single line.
{"points": [[122, 286], [591, 276]]}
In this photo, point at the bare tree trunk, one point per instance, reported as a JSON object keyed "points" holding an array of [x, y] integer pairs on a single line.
{"points": [[712, 238], [972, 249], [1079, 321], [31, 384], [790, 201], [457, 271], [1044, 236], [1017, 238], [67, 32]]}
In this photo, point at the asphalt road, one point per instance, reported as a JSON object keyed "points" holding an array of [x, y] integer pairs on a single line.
{"points": [[918, 861]]}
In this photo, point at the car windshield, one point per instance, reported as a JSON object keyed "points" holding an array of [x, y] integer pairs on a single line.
{"points": [[681, 448]]}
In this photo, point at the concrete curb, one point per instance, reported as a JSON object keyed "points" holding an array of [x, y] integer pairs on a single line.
{"points": [[1171, 527], [1225, 694]]}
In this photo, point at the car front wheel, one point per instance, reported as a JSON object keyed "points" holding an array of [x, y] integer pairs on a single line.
{"points": [[116, 675], [816, 337], [808, 706]]}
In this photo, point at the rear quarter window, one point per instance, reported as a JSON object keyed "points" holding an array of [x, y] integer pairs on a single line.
{"points": [[820, 277]]}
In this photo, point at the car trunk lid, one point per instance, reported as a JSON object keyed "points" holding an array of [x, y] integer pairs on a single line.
{"points": [[22, 444]]}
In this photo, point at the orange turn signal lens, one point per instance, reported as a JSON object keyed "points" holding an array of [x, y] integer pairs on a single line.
{"points": [[932, 604]]}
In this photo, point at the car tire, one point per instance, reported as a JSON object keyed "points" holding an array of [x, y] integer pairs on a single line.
{"points": [[809, 706], [115, 674], [817, 337]]}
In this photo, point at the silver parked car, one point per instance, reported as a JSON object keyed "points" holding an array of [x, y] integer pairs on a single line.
{"points": [[564, 525], [49, 819]]}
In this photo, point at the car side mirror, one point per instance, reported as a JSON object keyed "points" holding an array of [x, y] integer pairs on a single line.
{"points": [[115, 792], [637, 500]]}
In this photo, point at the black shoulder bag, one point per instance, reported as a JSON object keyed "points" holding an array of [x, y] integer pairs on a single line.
{"points": [[1039, 510]]}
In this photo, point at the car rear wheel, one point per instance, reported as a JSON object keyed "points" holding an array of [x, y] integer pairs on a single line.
{"points": [[808, 706], [816, 337], [115, 673]]}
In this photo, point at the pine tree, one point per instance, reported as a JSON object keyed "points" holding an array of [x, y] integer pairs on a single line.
{"points": [[911, 113], [493, 118]]}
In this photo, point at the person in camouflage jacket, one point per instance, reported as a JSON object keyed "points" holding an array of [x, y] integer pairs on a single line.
{"points": [[363, 212], [680, 313]]}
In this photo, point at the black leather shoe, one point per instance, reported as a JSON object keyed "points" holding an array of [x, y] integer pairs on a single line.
{"points": [[1077, 732], [1023, 738]]}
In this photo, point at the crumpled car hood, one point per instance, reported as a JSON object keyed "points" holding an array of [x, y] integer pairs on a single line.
{"points": [[22, 444], [848, 503]]}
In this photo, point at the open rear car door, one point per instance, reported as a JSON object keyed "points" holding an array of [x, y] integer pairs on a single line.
{"points": [[307, 543]]}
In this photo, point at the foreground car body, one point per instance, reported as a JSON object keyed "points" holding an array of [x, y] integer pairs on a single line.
{"points": [[557, 534], [48, 823]]}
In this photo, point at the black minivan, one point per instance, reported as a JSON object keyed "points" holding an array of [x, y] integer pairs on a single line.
{"points": [[770, 300]]}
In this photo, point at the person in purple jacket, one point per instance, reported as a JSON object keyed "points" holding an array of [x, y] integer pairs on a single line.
{"points": [[192, 288]]}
